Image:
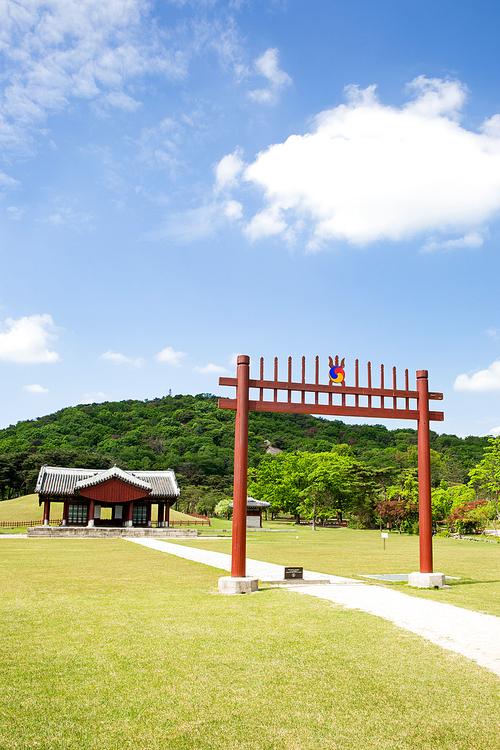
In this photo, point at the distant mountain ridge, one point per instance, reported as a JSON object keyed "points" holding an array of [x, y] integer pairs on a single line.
{"points": [[192, 436]]}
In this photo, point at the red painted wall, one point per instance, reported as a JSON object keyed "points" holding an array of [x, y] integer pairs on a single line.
{"points": [[113, 491]]}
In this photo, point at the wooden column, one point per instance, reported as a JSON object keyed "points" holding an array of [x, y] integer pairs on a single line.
{"points": [[148, 516], [238, 558], [424, 474], [90, 520], [167, 515], [65, 513], [161, 514], [130, 514], [46, 512]]}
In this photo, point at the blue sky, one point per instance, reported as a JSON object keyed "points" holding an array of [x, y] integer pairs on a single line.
{"points": [[184, 181]]}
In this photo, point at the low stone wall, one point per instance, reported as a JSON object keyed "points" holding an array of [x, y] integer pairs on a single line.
{"points": [[101, 532]]}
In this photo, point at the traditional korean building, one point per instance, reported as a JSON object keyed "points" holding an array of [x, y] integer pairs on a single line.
{"points": [[254, 511], [87, 492]]}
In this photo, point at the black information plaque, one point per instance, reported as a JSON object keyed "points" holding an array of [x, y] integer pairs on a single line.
{"points": [[294, 573]]}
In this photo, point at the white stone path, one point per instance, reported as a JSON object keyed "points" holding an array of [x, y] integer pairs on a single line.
{"points": [[472, 634]]}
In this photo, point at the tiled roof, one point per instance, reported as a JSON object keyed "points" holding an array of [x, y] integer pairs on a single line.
{"points": [[55, 480], [164, 483], [61, 481], [253, 503]]}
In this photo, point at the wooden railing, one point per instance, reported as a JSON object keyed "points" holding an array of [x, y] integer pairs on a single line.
{"points": [[18, 524], [197, 520], [197, 515]]}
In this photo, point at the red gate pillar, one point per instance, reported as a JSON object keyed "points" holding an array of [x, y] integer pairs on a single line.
{"points": [[238, 568], [91, 513], [424, 474], [46, 512]]}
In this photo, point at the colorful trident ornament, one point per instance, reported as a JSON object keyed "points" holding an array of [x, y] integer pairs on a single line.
{"points": [[337, 374]]}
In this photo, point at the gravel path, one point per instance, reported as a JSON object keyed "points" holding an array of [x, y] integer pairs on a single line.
{"points": [[472, 634], [256, 569]]}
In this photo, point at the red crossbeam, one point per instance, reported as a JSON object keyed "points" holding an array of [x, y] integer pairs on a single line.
{"points": [[333, 410], [341, 410]]}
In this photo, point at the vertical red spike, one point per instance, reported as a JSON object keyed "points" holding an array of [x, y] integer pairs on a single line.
{"points": [[261, 392], [343, 384], [369, 374], [316, 378], [356, 381], [330, 394], [407, 388], [394, 388], [289, 378], [336, 360], [303, 397], [382, 400], [275, 377]]}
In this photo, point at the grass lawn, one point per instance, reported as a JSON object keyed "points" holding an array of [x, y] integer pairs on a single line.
{"points": [[346, 552], [109, 645]]}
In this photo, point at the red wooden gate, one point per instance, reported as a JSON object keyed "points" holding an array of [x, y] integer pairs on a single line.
{"points": [[336, 399]]}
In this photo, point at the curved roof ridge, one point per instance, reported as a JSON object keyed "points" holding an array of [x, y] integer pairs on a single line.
{"points": [[114, 473]]}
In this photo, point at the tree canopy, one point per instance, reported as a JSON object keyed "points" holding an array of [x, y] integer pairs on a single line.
{"points": [[192, 436]]}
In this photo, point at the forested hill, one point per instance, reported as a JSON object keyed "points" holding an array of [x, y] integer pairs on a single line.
{"points": [[192, 436]]}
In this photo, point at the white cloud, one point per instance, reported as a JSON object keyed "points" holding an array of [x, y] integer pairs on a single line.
{"points": [[371, 172], [121, 101], [15, 212], [35, 389], [469, 241], [170, 356], [267, 66], [495, 432], [120, 359], [94, 398], [484, 380], [210, 369], [65, 215], [26, 340], [232, 210], [159, 146], [56, 52], [493, 333], [228, 169], [7, 183], [194, 223]]}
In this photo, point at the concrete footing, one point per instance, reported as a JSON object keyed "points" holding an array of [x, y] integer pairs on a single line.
{"points": [[97, 532], [427, 580], [229, 585]]}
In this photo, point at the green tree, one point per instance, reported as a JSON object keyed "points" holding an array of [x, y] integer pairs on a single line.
{"points": [[485, 477], [221, 510], [314, 485], [444, 499], [400, 505]]}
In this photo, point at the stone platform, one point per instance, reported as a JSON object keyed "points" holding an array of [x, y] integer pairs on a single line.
{"points": [[108, 532]]}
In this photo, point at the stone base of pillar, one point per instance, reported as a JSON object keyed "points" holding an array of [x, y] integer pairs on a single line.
{"points": [[64, 522], [46, 522], [428, 580], [230, 585], [128, 523], [90, 523]]}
